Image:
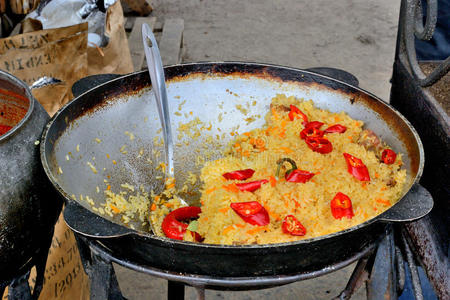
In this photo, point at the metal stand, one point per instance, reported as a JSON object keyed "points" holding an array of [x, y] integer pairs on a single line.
{"points": [[18, 287], [380, 266], [414, 95]]}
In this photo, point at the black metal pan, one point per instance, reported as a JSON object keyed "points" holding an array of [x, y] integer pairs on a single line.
{"points": [[209, 91]]}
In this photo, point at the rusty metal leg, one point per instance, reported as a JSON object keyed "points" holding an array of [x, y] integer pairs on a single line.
{"points": [[359, 277], [400, 270], [104, 283], [431, 252], [200, 290], [98, 267], [383, 280], [175, 290]]}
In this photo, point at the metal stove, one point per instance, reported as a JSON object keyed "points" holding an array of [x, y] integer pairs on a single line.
{"points": [[380, 266]]}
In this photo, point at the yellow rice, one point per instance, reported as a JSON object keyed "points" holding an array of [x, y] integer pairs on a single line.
{"points": [[309, 202], [259, 150]]}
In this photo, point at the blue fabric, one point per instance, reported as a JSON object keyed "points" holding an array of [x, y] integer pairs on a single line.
{"points": [[438, 48]]}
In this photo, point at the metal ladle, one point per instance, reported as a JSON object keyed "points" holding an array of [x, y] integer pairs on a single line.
{"points": [[156, 71]]}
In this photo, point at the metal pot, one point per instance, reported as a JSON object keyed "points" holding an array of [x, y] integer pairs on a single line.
{"points": [[28, 206], [211, 91]]}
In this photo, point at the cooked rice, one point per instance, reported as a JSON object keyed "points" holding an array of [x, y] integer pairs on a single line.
{"points": [[309, 202], [259, 150]]}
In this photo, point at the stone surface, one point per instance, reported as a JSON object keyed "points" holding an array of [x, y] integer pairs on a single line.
{"points": [[358, 36], [136, 286]]}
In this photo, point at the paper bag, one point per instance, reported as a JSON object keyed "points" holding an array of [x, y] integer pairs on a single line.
{"points": [[55, 53], [64, 274], [115, 57]]}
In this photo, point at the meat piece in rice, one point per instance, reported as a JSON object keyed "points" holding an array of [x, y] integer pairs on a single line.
{"points": [[280, 107], [369, 140]]}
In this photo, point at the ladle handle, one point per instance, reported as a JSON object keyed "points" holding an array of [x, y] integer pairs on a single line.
{"points": [[155, 68]]}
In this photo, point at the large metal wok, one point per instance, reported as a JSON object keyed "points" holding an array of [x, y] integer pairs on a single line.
{"points": [[94, 123]]}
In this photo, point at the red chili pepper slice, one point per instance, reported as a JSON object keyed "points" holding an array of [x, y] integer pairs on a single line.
{"points": [[388, 156], [299, 176], [239, 174], [4, 129], [246, 209], [293, 226], [356, 167], [311, 132], [294, 174], [197, 236], [251, 186], [314, 124], [171, 225], [341, 206], [319, 144], [338, 128], [296, 113], [251, 212]]}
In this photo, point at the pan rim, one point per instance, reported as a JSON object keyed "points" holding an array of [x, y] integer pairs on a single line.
{"points": [[177, 243], [31, 105]]}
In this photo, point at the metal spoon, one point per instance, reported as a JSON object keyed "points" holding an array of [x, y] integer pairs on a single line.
{"points": [[156, 71]]}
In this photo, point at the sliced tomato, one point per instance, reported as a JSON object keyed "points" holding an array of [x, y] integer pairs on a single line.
{"points": [[293, 226]]}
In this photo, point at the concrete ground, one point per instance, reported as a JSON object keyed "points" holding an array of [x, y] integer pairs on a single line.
{"points": [[355, 35]]}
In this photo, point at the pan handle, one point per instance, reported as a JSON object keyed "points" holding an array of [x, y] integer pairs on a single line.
{"points": [[86, 223], [417, 203], [85, 84], [338, 74]]}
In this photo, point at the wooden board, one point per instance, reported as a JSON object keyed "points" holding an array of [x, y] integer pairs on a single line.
{"points": [[169, 36], [135, 41], [171, 41]]}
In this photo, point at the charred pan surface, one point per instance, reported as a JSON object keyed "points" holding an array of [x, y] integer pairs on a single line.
{"points": [[250, 70], [392, 118], [131, 84]]}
